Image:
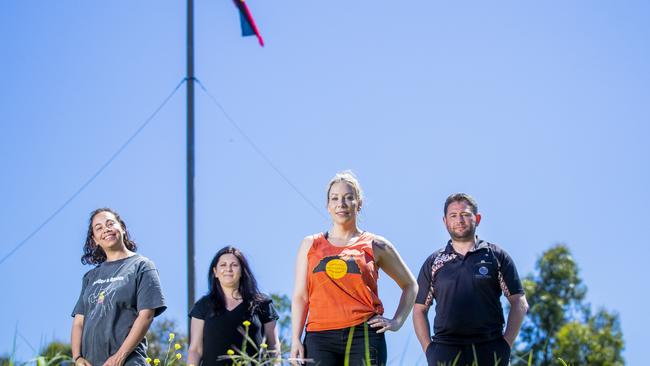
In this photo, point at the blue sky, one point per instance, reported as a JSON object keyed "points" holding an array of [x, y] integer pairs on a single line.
{"points": [[539, 110]]}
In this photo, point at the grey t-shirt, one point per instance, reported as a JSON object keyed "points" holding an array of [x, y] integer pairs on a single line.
{"points": [[111, 296]]}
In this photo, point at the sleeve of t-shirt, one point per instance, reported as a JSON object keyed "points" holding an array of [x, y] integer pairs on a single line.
{"points": [[509, 273], [200, 309], [149, 291], [80, 307], [267, 312], [425, 284]]}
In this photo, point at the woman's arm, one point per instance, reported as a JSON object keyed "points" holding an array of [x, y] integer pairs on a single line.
{"points": [[300, 300], [272, 338], [388, 259], [195, 351], [75, 341], [137, 332]]}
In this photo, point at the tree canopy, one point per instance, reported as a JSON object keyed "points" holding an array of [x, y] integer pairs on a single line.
{"points": [[560, 324]]}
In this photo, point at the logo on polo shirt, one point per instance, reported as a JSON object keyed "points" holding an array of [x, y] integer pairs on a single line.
{"points": [[483, 270]]}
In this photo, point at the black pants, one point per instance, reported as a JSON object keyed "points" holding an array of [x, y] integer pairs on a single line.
{"points": [[491, 353], [333, 347]]}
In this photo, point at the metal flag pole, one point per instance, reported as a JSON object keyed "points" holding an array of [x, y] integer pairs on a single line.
{"points": [[190, 159]]}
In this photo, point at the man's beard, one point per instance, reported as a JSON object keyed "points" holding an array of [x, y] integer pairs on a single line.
{"points": [[467, 235]]}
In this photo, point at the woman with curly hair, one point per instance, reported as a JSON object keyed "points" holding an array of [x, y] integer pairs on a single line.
{"points": [[233, 308], [119, 297]]}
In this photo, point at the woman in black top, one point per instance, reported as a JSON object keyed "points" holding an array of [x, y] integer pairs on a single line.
{"points": [[234, 302]]}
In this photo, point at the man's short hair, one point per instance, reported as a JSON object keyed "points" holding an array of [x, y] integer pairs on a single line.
{"points": [[462, 197]]}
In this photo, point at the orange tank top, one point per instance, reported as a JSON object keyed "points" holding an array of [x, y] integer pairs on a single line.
{"points": [[342, 284]]}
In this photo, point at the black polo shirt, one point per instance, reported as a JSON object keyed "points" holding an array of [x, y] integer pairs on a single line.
{"points": [[467, 291]]}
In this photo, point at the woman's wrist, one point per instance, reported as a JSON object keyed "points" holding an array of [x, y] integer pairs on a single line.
{"points": [[76, 358]]}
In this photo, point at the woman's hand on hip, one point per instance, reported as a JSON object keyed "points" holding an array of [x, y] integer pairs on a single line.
{"points": [[381, 324]]}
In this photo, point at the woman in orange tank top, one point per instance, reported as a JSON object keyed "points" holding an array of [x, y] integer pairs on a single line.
{"points": [[335, 290]]}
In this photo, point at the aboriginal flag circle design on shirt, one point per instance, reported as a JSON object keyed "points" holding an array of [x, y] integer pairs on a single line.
{"points": [[336, 268]]}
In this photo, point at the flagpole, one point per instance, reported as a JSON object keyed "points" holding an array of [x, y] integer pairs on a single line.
{"points": [[190, 159]]}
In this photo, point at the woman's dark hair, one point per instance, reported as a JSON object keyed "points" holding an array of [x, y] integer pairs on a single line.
{"points": [[93, 253], [247, 284]]}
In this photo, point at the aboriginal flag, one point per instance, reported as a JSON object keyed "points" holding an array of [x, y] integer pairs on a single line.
{"points": [[248, 27]]}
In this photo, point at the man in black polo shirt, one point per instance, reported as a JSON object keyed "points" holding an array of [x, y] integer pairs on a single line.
{"points": [[466, 280]]}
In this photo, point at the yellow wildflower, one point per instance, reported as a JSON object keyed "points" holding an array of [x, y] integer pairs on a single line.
{"points": [[177, 346], [230, 352], [156, 362], [148, 360], [264, 345], [246, 323], [178, 356], [171, 336]]}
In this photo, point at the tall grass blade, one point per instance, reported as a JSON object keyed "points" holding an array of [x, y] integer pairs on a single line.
{"points": [[562, 362], [366, 343], [456, 359], [348, 346], [475, 362]]}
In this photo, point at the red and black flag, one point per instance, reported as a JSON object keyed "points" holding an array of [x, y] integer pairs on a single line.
{"points": [[248, 26]]}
